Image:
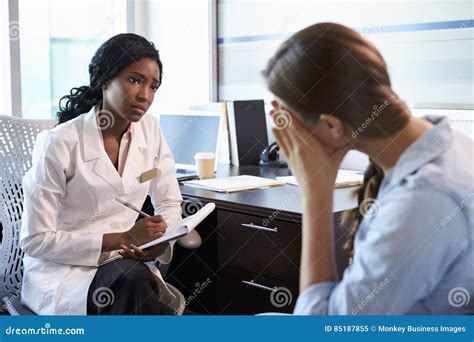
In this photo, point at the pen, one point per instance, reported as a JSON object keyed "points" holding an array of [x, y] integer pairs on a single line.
{"points": [[131, 206]]}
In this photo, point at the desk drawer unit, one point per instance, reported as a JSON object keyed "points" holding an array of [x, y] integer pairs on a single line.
{"points": [[245, 293], [258, 245]]}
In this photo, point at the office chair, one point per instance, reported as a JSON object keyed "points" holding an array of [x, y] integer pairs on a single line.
{"points": [[17, 138]]}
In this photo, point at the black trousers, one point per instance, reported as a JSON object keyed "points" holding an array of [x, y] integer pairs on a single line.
{"points": [[125, 287]]}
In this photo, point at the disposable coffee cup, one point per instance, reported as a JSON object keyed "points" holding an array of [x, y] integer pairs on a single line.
{"points": [[205, 164]]}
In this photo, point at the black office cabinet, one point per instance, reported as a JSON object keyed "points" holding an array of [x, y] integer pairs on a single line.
{"points": [[258, 245], [244, 259], [247, 293]]}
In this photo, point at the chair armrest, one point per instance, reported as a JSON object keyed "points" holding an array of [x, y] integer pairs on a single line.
{"points": [[192, 240], [15, 308]]}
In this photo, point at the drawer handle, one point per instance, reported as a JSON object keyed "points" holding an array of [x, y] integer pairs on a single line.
{"points": [[260, 286], [254, 226]]}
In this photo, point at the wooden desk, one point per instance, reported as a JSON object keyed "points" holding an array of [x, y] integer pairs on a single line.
{"points": [[251, 245]]}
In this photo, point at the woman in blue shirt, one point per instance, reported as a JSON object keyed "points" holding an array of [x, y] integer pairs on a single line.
{"points": [[412, 236]]}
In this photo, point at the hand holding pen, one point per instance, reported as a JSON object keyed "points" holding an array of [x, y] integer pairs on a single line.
{"points": [[147, 229]]}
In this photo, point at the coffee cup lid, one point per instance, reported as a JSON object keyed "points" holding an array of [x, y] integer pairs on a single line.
{"points": [[204, 155]]}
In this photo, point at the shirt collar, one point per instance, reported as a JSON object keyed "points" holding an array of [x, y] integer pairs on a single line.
{"points": [[426, 148], [130, 129]]}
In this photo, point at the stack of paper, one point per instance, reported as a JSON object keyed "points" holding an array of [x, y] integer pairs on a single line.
{"points": [[235, 183], [344, 179], [347, 178]]}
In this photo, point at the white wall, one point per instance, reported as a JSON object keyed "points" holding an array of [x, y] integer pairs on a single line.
{"points": [[5, 102], [48, 72], [181, 31], [429, 68]]}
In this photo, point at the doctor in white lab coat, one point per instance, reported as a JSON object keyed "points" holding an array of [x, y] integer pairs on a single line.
{"points": [[71, 220]]}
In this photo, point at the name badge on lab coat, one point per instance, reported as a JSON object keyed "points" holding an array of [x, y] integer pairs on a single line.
{"points": [[147, 175]]}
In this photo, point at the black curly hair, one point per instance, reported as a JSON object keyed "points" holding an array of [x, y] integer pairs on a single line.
{"points": [[109, 60]]}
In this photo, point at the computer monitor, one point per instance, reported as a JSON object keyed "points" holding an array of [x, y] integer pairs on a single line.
{"points": [[190, 132]]}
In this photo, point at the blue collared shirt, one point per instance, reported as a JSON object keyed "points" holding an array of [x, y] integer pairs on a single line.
{"points": [[414, 252]]}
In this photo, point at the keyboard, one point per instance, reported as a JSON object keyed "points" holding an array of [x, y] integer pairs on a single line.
{"points": [[185, 171], [186, 174]]}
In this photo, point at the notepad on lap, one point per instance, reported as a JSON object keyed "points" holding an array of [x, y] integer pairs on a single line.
{"points": [[235, 183], [185, 226]]}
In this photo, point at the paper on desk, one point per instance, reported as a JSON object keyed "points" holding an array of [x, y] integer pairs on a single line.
{"points": [[234, 183], [180, 229], [344, 179]]}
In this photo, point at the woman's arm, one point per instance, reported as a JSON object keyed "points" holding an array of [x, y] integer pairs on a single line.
{"points": [[44, 185], [317, 252], [315, 168], [404, 254], [143, 231], [114, 241]]}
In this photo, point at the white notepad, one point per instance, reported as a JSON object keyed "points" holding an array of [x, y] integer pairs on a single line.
{"points": [[235, 183], [185, 226], [344, 179]]}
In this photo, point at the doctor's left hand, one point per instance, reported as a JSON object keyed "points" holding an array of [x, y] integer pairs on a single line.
{"points": [[135, 253]]}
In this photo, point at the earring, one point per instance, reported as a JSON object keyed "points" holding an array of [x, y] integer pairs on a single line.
{"points": [[103, 86]]}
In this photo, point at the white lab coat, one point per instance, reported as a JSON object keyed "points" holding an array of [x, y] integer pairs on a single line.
{"points": [[69, 205]]}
